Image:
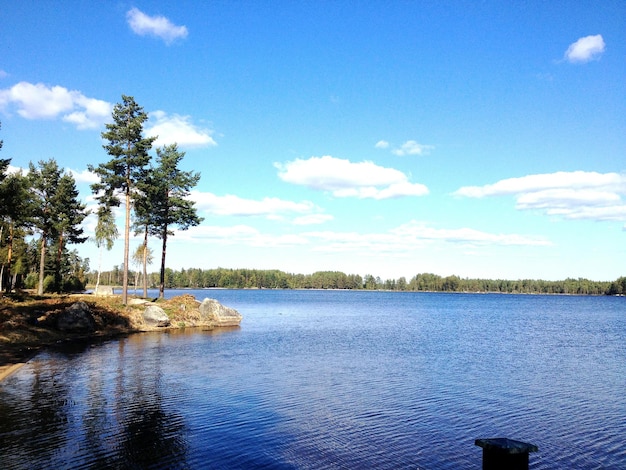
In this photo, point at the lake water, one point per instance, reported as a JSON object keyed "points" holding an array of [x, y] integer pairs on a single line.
{"points": [[334, 380]]}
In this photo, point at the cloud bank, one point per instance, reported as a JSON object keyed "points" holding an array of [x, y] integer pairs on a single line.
{"points": [[156, 26], [403, 239], [571, 195], [344, 178]]}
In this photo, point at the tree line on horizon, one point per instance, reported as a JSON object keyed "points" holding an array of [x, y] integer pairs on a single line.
{"points": [[195, 278]]}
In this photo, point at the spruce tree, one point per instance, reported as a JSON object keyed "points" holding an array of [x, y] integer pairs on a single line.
{"points": [[44, 181], [69, 214]]}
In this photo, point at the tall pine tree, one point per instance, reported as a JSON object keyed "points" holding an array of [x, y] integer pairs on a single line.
{"points": [[128, 149], [168, 200]]}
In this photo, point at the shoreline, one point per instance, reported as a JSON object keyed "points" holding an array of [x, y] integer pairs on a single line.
{"points": [[28, 323], [7, 370]]}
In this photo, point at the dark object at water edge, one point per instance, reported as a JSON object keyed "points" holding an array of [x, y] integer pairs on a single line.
{"points": [[502, 453]]}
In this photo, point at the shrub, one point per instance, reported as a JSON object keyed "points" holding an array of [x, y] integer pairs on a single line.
{"points": [[48, 284]]}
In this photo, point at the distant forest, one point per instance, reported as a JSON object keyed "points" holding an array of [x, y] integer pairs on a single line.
{"points": [[425, 282]]}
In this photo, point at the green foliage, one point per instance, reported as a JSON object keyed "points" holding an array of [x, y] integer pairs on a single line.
{"points": [[57, 214], [31, 280], [128, 150], [106, 230], [70, 212], [45, 200], [170, 191], [72, 284], [618, 287], [49, 284]]}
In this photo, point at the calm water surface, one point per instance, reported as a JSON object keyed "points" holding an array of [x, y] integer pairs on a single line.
{"points": [[334, 380]]}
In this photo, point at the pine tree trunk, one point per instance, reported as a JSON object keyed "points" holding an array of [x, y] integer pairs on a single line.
{"points": [[126, 249], [9, 258], [99, 270], [42, 262], [145, 262], [162, 284], [57, 274]]}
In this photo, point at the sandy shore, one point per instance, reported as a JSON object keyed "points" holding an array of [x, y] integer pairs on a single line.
{"points": [[7, 370], [12, 358]]}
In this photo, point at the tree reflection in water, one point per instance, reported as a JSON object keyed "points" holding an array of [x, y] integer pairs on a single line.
{"points": [[150, 434], [25, 446], [118, 419]]}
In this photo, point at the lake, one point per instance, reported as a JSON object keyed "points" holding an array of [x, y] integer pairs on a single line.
{"points": [[333, 380]]}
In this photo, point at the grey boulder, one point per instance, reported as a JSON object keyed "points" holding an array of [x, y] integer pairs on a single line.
{"points": [[212, 310], [154, 315], [103, 291], [76, 318]]}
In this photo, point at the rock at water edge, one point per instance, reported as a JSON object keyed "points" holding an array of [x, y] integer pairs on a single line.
{"points": [[103, 291], [212, 310], [154, 315], [76, 318]]}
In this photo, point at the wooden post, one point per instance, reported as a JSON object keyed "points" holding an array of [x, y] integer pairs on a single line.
{"points": [[501, 453]]}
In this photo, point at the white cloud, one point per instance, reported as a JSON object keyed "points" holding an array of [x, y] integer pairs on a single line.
{"points": [[236, 206], [413, 236], [415, 231], [344, 178], [3, 74], [382, 144], [572, 195], [312, 219], [560, 179], [39, 101], [177, 129], [239, 235], [84, 176], [585, 49], [93, 114], [411, 147], [157, 26]]}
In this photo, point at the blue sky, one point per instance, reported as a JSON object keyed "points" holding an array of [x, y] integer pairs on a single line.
{"points": [[482, 139]]}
